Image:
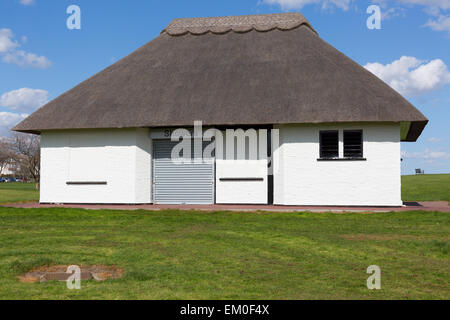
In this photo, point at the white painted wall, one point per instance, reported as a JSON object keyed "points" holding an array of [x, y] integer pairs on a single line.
{"points": [[241, 164], [300, 179], [238, 192], [121, 157], [144, 152]]}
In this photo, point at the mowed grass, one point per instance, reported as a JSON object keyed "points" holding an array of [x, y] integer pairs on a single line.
{"points": [[426, 187], [18, 192], [223, 255], [226, 255]]}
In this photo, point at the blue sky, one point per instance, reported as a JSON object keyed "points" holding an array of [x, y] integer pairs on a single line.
{"points": [[40, 58]]}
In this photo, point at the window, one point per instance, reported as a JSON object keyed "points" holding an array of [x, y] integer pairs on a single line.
{"points": [[353, 144], [329, 144]]}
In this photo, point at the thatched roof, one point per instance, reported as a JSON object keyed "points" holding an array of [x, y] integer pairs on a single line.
{"points": [[250, 70]]}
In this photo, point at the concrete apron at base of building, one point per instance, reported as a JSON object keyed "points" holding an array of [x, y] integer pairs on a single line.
{"points": [[441, 206]]}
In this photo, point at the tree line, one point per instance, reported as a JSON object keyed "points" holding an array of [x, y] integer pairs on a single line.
{"points": [[20, 156]]}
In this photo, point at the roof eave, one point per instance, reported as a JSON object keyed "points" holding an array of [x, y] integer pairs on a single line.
{"points": [[415, 130], [26, 131]]}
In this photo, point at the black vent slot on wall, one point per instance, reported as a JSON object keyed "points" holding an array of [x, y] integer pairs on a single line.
{"points": [[353, 144], [329, 144], [241, 179], [86, 183]]}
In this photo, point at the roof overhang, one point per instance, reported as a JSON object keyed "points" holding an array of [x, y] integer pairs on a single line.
{"points": [[410, 131]]}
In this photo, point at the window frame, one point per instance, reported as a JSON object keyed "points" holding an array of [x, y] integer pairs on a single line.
{"points": [[320, 144], [361, 142]]}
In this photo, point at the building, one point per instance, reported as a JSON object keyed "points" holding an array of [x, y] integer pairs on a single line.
{"points": [[7, 170], [338, 127]]}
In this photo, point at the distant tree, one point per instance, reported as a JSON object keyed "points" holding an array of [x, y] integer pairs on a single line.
{"points": [[6, 154], [27, 155]]}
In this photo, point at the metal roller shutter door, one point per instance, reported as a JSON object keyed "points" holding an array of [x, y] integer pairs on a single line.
{"points": [[187, 183]]}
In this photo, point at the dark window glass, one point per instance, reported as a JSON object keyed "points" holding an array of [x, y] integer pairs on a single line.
{"points": [[329, 144], [353, 144]]}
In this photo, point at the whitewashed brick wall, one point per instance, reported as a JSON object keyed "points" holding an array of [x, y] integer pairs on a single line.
{"points": [[302, 180]]}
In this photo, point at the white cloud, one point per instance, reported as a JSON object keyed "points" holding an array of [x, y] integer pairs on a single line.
{"points": [[345, 4], [411, 76], [10, 54], [437, 10], [27, 2], [434, 140], [442, 23], [298, 4], [440, 4], [426, 154], [23, 59], [6, 40], [24, 99], [9, 120], [390, 13]]}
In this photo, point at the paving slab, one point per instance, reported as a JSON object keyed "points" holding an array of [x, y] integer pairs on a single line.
{"points": [[442, 206]]}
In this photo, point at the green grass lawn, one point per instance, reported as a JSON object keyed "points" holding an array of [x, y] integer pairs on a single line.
{"points": [[197, 255], [426, 187], [18, 192], [225, 255]]}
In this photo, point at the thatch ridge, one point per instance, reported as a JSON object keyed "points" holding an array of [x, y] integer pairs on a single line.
{"points": [[239, 24]]}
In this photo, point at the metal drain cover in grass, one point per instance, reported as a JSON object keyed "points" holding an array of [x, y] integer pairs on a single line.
{"points": [[58, 273]]}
